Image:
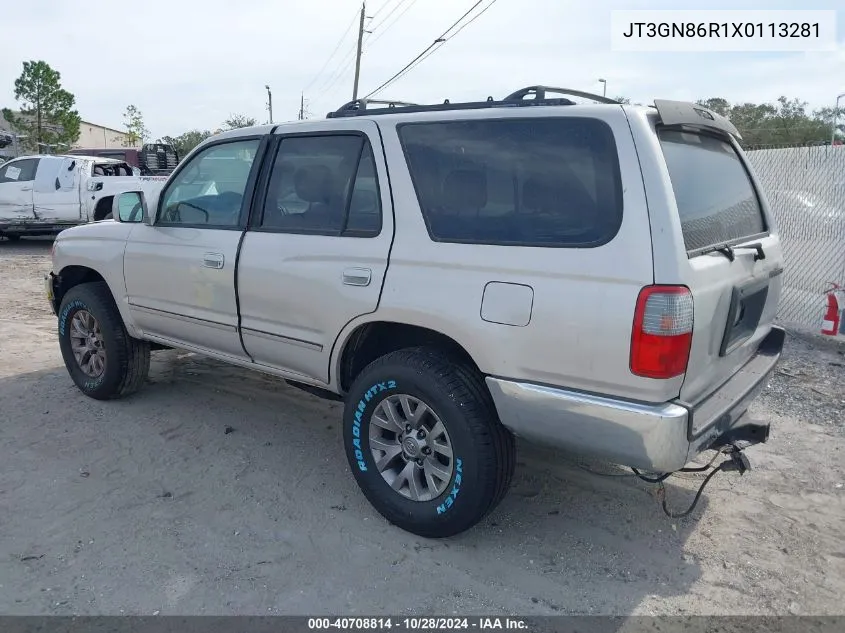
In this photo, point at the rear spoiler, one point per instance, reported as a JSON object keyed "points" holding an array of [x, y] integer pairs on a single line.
{"points": [[686, 114]]}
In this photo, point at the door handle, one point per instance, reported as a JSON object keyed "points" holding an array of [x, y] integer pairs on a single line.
{"points": [[357, 276], [213, 260], [26, 188]]}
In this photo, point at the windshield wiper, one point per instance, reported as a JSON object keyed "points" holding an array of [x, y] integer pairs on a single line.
{"points": [[730, 251], [757, 246], [725, 250]]}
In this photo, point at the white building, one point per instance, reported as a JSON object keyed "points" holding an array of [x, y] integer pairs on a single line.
{"points": [[91, 136], [96, 136]]}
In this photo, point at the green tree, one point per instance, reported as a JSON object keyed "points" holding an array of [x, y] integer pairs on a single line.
{"points": [[47, 116], [186, 141], [236, 121], [785, 122], [136, 131], [717, 104], [827, 117]]}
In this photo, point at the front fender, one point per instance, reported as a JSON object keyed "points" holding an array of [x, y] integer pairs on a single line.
{"points": [[87, 252]]}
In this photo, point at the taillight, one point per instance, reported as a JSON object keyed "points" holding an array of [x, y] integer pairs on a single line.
{"points": [[662, 334]]}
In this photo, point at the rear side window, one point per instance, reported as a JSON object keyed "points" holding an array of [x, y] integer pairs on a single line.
{"points": [[520, 182], [19, 171], [716, 200]]}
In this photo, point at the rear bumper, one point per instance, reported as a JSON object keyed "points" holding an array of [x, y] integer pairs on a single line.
{"points": [[655, 437]]}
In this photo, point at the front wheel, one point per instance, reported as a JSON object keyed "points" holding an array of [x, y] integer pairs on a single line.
{"points": [[101, 358], [425, 444]]}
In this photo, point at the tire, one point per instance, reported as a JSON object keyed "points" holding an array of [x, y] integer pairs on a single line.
{"points": [[126, 360], [483, 451], [12, 237]]}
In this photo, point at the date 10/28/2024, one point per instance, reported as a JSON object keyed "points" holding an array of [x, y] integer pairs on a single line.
{"points": [[416, 623]]}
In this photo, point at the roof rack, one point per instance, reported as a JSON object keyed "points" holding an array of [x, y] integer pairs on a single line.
{"points": [[517, 99], [539, 93], [359, 106]]}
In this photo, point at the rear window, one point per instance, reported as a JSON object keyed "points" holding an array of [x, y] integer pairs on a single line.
{"points": [[522, 182], [716, 200]]}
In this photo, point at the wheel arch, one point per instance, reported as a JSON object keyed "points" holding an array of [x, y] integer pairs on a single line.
{"points": [[362, 343], [74, 275]]}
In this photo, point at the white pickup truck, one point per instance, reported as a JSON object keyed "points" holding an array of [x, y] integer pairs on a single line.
{"points": [[43, 195]]}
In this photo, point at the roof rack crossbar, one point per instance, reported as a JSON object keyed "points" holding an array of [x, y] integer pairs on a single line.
{"points": [[363, 104], [349, 110], [539, 93], [540, 97]]}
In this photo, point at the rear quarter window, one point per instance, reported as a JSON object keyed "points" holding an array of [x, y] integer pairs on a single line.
{"points": [[551, 182], [716, 200]]}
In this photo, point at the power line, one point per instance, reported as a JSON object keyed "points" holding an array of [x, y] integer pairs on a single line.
{"points": [[387, 17], [436, 44], [339, 42], [346, 62], [388, 27], [474, 18], [382, 8]]}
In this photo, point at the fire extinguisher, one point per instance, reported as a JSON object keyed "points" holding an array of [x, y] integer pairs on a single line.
{"points": [[832, 320]]}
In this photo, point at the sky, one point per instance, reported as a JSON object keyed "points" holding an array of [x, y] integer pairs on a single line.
{"points": [[192, 63]]}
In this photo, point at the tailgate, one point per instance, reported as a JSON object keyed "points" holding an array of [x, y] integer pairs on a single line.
{"points": [[733, 263]]}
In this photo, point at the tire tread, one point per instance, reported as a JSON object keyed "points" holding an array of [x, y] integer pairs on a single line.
{"points": [[464, 385], [133, 354]]}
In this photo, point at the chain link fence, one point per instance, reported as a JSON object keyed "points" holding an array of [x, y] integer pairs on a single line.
{"points": [[805, 187]]}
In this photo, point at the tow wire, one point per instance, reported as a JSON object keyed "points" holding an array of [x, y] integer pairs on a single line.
{"points": [[736, 461]]}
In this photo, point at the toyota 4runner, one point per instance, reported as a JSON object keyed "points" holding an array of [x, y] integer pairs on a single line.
{"points": [[590, 275]]}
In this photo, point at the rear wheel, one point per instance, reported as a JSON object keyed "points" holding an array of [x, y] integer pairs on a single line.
{"points": [[425, 444], [101, 358]]}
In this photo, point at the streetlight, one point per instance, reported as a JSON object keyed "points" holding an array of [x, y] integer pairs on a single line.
{"points": [[269, 102], [603, 82], [835, 119]]}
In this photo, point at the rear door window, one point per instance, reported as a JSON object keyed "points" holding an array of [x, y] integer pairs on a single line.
{"points": [[551, 182], [716, 200], [22, 170]]}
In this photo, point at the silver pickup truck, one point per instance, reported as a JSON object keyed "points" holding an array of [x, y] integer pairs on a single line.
{"points": [[590, 275]]}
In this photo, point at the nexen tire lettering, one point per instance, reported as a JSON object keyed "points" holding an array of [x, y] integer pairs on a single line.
{"points": [[359, 415], [456, 488]]}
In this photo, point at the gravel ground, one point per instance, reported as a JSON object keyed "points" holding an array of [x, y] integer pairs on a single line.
{"points": [[148, 505]]}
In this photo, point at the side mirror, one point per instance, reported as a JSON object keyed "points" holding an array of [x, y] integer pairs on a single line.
{"points": [[130, 207]]}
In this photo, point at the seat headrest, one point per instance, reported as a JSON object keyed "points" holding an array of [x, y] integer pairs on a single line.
{"points": [[313, 183], [465, 188]]}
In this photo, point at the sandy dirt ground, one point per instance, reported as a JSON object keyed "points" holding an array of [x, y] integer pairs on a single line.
{"points": [[148, 505]]}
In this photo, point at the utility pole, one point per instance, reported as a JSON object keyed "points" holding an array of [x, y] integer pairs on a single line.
{"points": [[301, 106], [835, 119], [358, 56], [269, 102]]}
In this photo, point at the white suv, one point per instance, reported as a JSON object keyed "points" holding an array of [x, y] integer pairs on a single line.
{"points": [[595, 276]]}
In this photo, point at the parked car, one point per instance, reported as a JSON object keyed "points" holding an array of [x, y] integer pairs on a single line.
{"points": [[595, 276], [43, 195], [153, 159]]}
